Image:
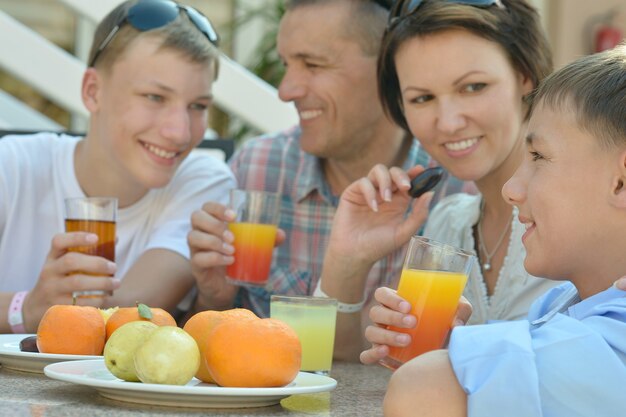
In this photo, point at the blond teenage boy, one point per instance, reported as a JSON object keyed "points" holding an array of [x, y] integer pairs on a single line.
{"points": [[147, 88]]}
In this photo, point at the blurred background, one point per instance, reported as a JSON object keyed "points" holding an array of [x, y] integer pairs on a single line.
{"points": [[44, 44]]}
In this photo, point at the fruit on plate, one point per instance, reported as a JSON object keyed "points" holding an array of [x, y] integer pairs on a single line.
{"points": [[168, 356], [119, 350], [253, 353], [71, 329], [124, 315], [107, 312], [200, 325], [29, 344]]}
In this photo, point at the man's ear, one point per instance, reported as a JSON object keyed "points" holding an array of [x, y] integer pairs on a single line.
{"points": [[90, 89], [618, 184]]}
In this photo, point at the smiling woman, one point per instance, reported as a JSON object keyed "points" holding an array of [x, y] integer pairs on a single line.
{"points": [[148, 97], [470, 117]]}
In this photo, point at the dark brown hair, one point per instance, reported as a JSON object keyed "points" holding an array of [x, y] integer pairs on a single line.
{"points": [[515, 27], [366, 25]]}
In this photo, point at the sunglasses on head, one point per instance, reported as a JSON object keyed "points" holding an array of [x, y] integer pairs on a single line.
{"points": [[153, 14], [385, 4], [403, 8]]}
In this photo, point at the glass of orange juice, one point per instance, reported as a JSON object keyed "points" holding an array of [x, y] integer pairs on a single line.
{"points": [[254, 228], [432, 281], [94, 215]]}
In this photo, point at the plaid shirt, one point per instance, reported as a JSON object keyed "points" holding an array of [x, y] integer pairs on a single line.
{"points": [[306, 215]]}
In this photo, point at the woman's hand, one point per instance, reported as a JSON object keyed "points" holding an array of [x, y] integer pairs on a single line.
{"points": [[394, 310], [372, 221]]}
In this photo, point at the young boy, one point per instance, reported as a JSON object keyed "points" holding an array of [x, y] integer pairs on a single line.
{"points": [[148, 89], [569, 358]]}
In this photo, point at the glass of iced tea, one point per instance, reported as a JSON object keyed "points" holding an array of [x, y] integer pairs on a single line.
{"points": [[432, 281], [93, 215], [254, 229]]}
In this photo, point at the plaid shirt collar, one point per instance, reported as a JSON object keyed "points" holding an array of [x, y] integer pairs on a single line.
{"points": [[313, 180]]}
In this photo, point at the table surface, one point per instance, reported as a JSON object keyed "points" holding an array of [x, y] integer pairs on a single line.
{"points": [[359, 392]]}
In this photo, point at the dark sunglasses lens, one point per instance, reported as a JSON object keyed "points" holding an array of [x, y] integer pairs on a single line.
{"points": [[203, 24], [479, 2], [151, 14], [411, 6]]}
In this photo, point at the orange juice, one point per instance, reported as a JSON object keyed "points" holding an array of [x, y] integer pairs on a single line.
{"points": [[434, 297], [254, 244]]}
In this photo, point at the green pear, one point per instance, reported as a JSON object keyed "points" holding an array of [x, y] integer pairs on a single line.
{"points": [[169, 356], [119, 350]]}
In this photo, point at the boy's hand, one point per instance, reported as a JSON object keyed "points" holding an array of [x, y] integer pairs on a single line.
{"points": [[393, 310], [65, 272]]}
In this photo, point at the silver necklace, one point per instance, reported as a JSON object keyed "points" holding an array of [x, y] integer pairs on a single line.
{"points": [[487, 264]]}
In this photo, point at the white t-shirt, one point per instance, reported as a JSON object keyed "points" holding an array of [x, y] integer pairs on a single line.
{"points": [[37, 173], [451, 222]]}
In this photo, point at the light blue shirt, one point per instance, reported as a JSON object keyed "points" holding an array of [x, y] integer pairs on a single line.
{"points": [[567, 359]]}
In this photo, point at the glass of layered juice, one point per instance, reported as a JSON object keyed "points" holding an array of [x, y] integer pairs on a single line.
{"points": [[93, 215], [313, 319], [432, 281], [254, 228]]}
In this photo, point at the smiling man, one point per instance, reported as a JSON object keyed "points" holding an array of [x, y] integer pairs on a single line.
{"points": [[330, 50]]}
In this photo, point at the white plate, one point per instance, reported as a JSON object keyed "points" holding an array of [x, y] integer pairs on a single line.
{"points": [[12, 358], [94, 373]]}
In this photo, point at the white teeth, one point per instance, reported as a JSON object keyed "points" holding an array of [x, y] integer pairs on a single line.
{"points": [[160, 152], [309, 114], [461, 145]]}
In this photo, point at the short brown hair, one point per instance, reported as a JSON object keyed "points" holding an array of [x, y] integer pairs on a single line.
{"points": [[367, 23], [515, 27], [594, 88], [180, 35]]}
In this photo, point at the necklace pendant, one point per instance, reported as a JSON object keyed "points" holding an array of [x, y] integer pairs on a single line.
{"points": [[487, 266]]}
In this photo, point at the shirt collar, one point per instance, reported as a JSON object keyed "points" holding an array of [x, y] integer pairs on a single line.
{"points": [[311, 178], [568, 302], [591, 306]]}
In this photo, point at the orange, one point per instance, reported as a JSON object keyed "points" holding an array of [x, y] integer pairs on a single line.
{"points": [[72, 330], [124, 315], [199, 326], [253, 353]]}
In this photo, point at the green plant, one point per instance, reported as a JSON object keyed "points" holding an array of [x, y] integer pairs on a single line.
{"points": [[265, 62]]}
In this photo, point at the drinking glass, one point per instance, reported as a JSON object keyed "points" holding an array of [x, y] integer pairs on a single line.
{"points": [[432, 281], [254, 228], [93, 215], [313, 319]]}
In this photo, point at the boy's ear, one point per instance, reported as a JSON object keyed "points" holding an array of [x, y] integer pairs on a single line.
{"points": [[619, 182], [90, 89]]}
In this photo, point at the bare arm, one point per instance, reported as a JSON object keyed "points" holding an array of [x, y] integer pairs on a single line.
{"points": [[426, 387], [58, 278], [158, 278], [369, 224]]}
